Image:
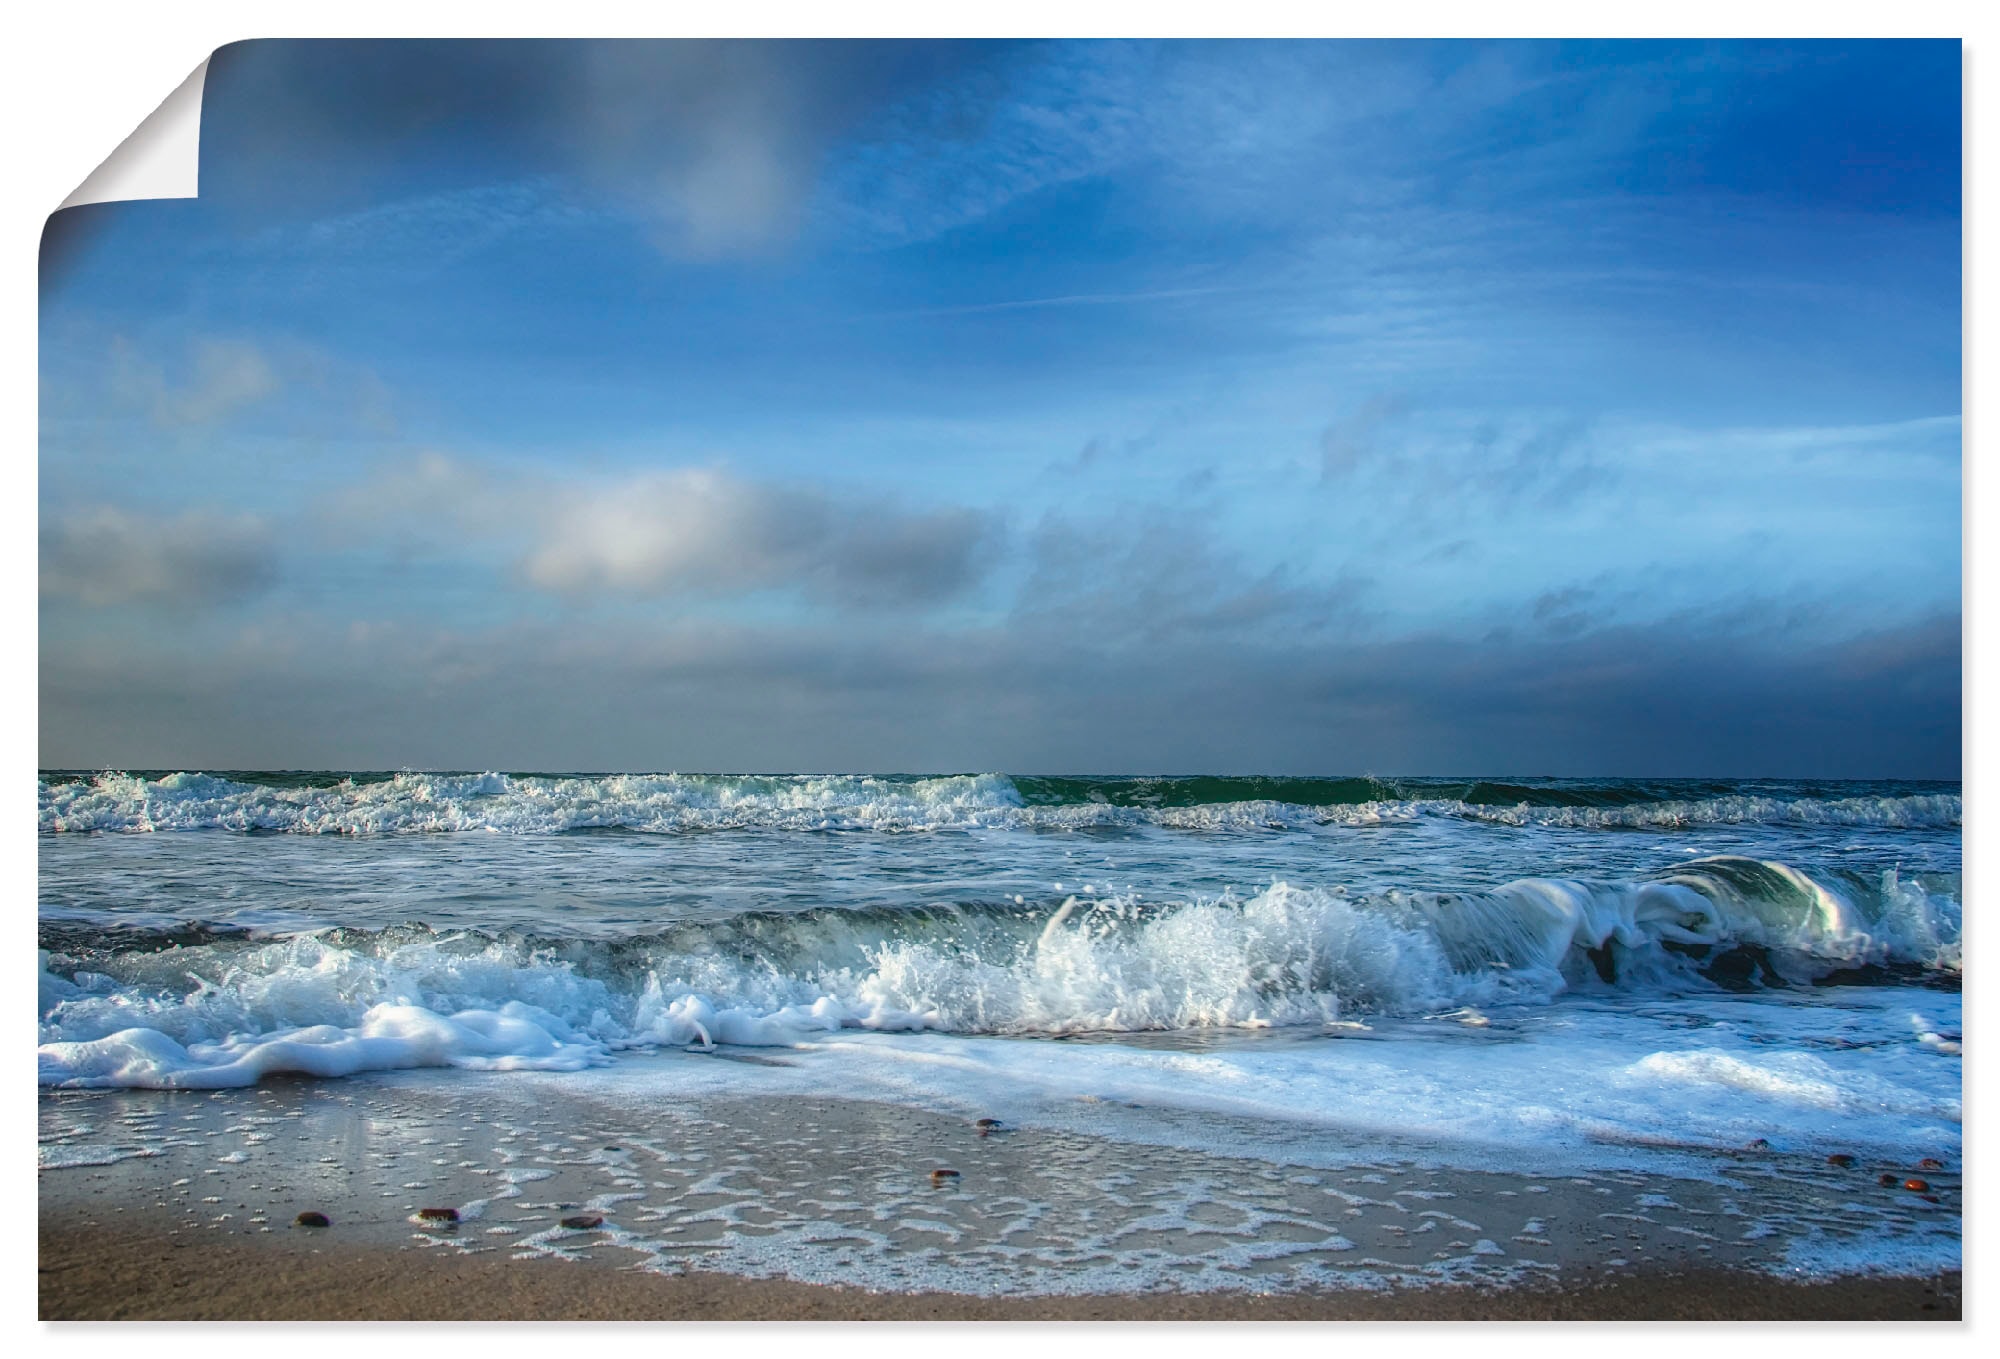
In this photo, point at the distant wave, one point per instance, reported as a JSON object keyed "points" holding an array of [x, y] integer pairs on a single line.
{"points": [[523, 804], [123, 1008]]}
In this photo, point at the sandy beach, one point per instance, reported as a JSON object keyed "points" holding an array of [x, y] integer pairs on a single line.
{"points": [[140, 1272], [183, 1205]]}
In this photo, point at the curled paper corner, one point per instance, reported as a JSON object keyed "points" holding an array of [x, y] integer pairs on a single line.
{"points": [[162, 157]]}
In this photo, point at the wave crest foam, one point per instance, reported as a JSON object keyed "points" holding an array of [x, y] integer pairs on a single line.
{"points": [[229, 1011], [405, 804]]}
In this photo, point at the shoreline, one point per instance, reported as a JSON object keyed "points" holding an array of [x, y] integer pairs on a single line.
{"points": [[141, 1273], [180, 1205]]}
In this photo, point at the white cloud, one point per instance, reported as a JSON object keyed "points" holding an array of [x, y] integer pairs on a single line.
{"points": [[698, 531], [220, 378]]}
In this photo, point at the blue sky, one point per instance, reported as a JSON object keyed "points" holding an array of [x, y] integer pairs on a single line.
{"points": [[1401, 407]]}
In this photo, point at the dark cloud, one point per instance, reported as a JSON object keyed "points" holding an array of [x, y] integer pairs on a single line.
{"points": [[107, 556], [1545, 466], [1562, 611], [1102, 453], [1676, 698], [1664, 700], [878, 554], [1149, 576], [1356, 441], [716, 143], [1451, 551], [1092, 453], [1387, 454], [1135, 642]]}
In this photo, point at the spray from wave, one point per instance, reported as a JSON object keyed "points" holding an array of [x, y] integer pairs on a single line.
{"points": [[400, 804], [195, 1011]]}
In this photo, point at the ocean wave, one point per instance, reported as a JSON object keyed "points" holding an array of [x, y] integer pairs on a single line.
{"points": [[413, 803], [116, 1010]]}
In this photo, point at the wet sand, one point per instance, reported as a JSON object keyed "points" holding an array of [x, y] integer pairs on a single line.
{"points": [[133, 1273], [182, 1205]]}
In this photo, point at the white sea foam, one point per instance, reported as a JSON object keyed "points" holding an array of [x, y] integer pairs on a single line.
{"points": [[1931, 809], [527, 805], [386, 1038], [1794, 1077], [1287, 957], [1594, 1084], [538, 805], [77, 1155]]}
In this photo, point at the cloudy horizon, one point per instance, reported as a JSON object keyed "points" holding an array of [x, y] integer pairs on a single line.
{"points": [[1406, 408]]}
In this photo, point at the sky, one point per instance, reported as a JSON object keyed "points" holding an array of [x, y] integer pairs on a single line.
{"points": [[1296, 407]]}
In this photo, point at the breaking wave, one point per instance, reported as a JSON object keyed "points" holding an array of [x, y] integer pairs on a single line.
{"points": [[218, 1009], [517, 804]]}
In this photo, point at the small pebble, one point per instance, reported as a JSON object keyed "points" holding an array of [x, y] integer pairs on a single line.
{"points": [[438, 1214], [1916, 1186], [1759, 1144], [584, 1222], [1840, 1158], [312, 1219], [987, 1123], [1885, 1179], [943, 1177], [1930, 1163]]}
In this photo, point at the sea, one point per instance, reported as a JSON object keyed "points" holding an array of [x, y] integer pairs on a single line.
{"points": [[1304, 978]]}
